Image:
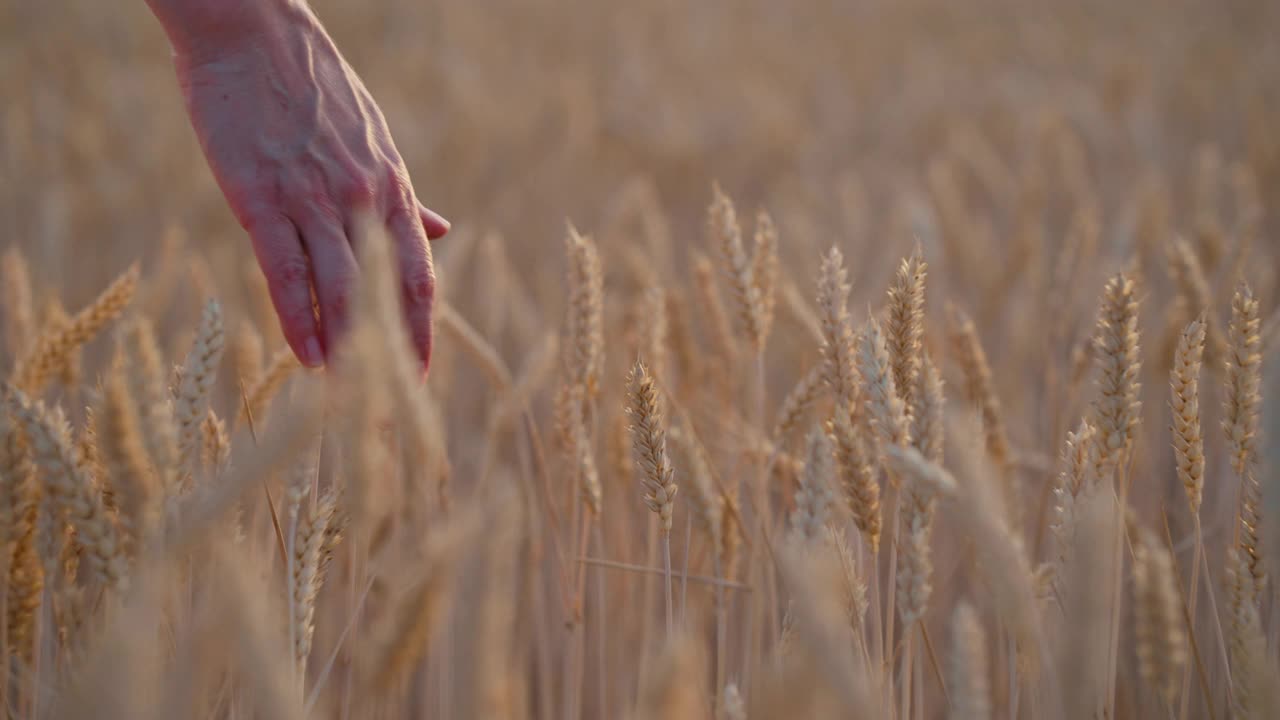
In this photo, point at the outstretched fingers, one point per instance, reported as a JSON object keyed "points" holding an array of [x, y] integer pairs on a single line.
{"points": [[335, 273], [417, 278], [288, 272]]}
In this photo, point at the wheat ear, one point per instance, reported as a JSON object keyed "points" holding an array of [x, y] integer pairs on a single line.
{"points": [[1117, 409], [720, 329], [814, 497], [857, 476], [124, 456], [72, 489], [904, 331], [1188, 442], [265, 384], [837, 333], [308, 546], [885, 407], [198, 375], [584, 320], [1158, 628], [764, 269], [968, 667], [17, 314], [722, 226], [145, 375], [649, 442], [52, 348], [1240, 422]]}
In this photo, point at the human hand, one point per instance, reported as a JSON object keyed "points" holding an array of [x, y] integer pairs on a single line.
{"points": [[300, 149]]}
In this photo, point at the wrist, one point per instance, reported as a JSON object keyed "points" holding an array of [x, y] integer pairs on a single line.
{"points": [[203, 30]]}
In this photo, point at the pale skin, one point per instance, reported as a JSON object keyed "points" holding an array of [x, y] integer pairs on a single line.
{"points": [[300, 150]]}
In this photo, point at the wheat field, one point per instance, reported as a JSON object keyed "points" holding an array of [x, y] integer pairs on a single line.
{"points": [[827, 359]]}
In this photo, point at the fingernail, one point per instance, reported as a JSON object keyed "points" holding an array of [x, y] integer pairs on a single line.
{"points": [[312, 356]]}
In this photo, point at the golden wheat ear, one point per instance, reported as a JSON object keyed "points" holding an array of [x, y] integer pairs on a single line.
{"points": [[55, 345]]}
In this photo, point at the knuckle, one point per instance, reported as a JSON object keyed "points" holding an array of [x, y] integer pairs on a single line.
{"points": [[402, 209], [338, 296], [287, 271], [358, 189], [257, 214], [420, 284]]}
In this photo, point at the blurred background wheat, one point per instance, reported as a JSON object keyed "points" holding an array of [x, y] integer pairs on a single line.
{"points": [[1083, 182]]}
